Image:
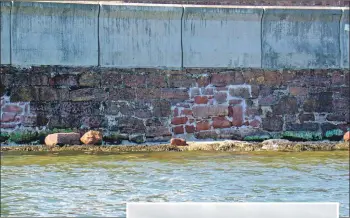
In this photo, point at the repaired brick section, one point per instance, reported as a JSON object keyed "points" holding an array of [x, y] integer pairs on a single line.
{"points": [[201, 99], [179, 120], [161, 103], [221, 122], [190, 128], [208, 111], [202, 125], [178, 130], [236, 112]]}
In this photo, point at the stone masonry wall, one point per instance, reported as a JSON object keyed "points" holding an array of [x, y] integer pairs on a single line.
{"points": [[193, 103]]}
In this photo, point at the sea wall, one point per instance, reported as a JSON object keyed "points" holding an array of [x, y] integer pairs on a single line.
{"points": [[195, 103], [158, 71]]}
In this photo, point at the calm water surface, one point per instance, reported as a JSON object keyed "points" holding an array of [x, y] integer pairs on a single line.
{"points": [[68, 184]]}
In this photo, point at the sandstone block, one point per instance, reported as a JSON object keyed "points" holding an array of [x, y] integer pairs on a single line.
{"points": [[91, 138], [178, 142], [347, 137], [62, 139]]}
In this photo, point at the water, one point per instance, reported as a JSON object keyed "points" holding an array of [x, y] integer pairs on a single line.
{"points": [[76, 184]]}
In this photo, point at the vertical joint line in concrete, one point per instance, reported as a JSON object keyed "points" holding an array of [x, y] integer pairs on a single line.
{"points": [[181, 38], [0, 35], [261, 38], [341, 64], [98, 35], [11, 32]]}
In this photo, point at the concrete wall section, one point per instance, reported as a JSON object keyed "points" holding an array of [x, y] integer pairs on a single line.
{"points": [[5, 32], [301, 38], [54, 34], [344, 38], [140, 36], [221, 37]]}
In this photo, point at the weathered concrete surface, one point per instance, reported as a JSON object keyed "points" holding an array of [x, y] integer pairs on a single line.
{"points": [[140, 36], [54, 34], [344, 38], [5, 32], [301, 38], [221, 37]]}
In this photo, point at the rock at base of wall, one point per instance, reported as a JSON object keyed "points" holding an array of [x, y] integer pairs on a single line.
{"points": [[274, 144], [91, 138], [137, 138], [62, 139], [178, 142], [347, 137], [343, 146]]}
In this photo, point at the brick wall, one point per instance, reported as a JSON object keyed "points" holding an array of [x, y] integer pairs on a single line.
{"points": [[250, 2], [196, 103]]}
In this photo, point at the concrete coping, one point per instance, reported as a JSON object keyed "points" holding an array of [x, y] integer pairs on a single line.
{"points": [[183, 5]]}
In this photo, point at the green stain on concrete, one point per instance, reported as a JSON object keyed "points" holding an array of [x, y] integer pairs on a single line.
{"points": [[3, 137], [21, 137], [257, 138], [302, 135], [113, 138], [334, 134]]}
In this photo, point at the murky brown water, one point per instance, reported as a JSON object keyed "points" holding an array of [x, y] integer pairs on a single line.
{"points": [[76, 184]]}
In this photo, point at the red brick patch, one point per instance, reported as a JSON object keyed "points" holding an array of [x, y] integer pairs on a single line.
{"points": [[202, 125], [186, 112], [201, 99], [179, 120], [178, 129], [190, 128], [221, 122], [236, 112]]}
